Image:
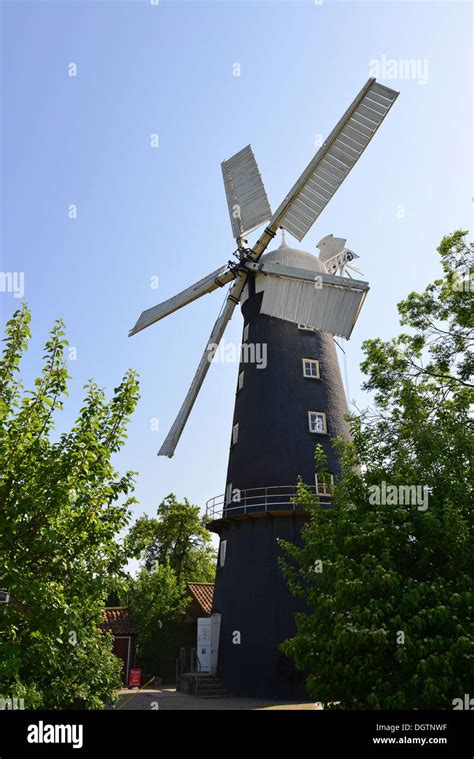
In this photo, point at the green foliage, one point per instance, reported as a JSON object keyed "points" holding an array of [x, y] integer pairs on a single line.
{"points": [[62, 505], [154, 597], [175, 548], [176, 537], [157, 602], [389, 610]]}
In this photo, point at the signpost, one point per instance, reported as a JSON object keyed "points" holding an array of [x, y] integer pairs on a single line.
{"points": [[135, 678]]}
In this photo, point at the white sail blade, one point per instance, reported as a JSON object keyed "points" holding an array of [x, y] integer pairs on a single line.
{"points": [[169, 446], [334, 160], [246, 197], [323, 301], [218, 278]]}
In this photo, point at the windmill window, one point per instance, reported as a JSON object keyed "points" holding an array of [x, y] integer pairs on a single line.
{"points": [[235, 433], [317, 422], [240, 383], [228, 493], [311, 368], [305, 328], [323, 487], [222, 550], [246, 332]]}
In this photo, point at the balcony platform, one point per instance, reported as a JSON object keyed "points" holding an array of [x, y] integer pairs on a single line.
{"points": [[257, 503]]}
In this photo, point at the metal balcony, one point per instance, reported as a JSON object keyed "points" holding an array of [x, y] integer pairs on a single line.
{"points": [[274, 500]]}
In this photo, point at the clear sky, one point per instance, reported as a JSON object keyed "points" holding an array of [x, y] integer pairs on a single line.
{"points": [[143, 212]]}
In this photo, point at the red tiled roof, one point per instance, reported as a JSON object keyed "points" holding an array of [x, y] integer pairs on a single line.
{"points": [[116, 620], [203, 593]]}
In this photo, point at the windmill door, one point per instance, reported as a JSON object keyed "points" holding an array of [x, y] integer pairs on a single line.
{"points": [[204, 643]]}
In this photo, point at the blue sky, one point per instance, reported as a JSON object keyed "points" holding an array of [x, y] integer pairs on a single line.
{"points": [[146, 212]]}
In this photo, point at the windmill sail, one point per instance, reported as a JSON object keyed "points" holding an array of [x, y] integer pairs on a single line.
{"points": [[246, 197], [218, 278], [334, 160], [173, 436]]}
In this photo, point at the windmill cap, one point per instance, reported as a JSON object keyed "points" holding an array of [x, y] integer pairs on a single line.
{"points": [[299, 259]]}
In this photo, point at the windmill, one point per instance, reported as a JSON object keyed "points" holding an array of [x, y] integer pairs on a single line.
{"points": [[335, 306], [294, 303]]}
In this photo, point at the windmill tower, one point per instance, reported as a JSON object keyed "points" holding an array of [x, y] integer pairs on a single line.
{"points": [[289, 390]]}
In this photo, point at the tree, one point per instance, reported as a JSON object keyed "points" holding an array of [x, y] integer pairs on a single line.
{"points": [[62, 505], [174, 547], [176, 537], [157, 602], [386, 573]]}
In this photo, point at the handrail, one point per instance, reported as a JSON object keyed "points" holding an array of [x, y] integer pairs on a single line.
{"points": [[180, 664], [195, 658], [255, 500], [194, 662]]}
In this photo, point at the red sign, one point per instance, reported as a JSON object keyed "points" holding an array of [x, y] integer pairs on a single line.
{"points": [[135, 678]]}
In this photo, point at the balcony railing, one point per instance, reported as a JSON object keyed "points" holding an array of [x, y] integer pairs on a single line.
{"points": [[258, 500]]}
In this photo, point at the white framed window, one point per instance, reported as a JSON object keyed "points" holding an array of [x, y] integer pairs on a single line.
{"points": [[222, 550], [240, 383], [311, 368], [235, 433], [228, 493], [246, 333], [317, 422], [305, 328], [322, 487]]}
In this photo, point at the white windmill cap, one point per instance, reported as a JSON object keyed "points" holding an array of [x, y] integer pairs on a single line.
{"points": [[298, 259]]}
